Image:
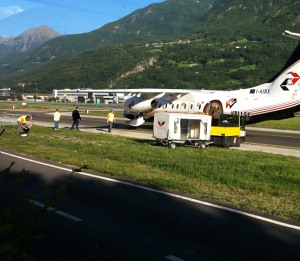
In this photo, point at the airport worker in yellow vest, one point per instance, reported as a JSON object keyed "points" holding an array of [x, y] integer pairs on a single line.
{"points": [[110, 119], [24, 125]]}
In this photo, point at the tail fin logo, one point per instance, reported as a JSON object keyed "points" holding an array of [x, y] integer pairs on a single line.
{"points": [[289, 82], [231, 102]]}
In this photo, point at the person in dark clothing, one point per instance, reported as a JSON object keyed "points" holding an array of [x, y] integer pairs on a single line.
{"points": [[76, 118]]}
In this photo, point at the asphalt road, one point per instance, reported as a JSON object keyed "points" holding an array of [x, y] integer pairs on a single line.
{"points": [[101, 219], [279, 139], [258, 137]]}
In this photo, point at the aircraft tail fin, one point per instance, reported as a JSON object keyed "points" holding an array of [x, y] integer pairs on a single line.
{"points": [[295, 56], [286, 83], [291, 35]]}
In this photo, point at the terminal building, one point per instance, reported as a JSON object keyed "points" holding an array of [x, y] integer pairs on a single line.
{"points": [[88, 96], [7, 95]]}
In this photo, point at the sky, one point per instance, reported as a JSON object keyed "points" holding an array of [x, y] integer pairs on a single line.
{"points": [[64, 16]]}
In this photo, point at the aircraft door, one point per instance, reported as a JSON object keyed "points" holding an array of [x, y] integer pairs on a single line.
{"points": [[213, 108]]}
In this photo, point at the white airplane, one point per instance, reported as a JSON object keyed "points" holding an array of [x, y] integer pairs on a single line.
{"points": [[277, 99]]}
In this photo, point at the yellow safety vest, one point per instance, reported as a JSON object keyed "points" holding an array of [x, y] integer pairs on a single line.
{"points": [[110, 117], [22, 119]]}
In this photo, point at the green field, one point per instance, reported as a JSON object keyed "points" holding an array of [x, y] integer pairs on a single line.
{"points": [[257, 181], [286, 124], [52, 106]]}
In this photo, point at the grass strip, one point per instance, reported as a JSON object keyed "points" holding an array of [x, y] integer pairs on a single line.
{"points": [[286, 124]]}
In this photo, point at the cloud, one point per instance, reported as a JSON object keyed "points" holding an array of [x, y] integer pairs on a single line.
{"points": [[9, 11]]}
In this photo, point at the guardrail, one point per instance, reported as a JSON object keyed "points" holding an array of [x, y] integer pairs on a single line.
{"points": [[9, 119]]}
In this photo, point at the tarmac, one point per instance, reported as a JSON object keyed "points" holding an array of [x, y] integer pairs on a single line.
{"points": [[148, 136]]}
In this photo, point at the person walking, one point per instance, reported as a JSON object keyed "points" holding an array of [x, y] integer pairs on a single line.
{"points": [[110, 119], [56, 116], [24, 125], [76, 118]]}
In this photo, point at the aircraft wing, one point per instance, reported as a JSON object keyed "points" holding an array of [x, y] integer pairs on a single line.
{"points": [[150, 93], [292, 35]]}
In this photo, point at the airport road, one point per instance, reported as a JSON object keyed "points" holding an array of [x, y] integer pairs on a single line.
{"points": [[98, 218], [256, 136], [287, 139]]}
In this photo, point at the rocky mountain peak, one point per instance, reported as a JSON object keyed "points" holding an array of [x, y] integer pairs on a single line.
{"points": [[27, 41]]}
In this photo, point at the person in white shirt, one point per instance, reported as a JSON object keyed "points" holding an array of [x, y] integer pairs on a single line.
{"points": [[56, 116]]}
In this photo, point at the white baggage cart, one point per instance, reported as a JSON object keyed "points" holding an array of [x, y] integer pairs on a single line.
{"points": [[171, 129]]}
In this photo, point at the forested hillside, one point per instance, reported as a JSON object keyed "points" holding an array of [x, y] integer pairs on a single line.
{"points": [[236, 44], [252, 18], [196, 64]]}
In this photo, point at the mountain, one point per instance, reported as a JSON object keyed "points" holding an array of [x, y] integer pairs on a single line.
{"points": [[166, 20], [2, 39], [27, 41], [155, 22], [167, 45], [254, 17]]}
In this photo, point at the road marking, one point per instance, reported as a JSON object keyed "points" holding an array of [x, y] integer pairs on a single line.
{"points": [[271, 145], [64, 214], [277, 135], [173, 258], [163, 193]]}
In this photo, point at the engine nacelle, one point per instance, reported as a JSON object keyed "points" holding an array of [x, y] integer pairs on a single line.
{"points": [[137, 108], [137, 104], [158, 103]]}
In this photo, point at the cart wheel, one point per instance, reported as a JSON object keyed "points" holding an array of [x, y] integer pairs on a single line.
{"points": [[225, 142], [202, 146], [172, 145], [158, 143], [238, 142]]}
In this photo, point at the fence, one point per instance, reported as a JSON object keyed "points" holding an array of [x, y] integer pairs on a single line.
{"points": [[9, 119]]}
